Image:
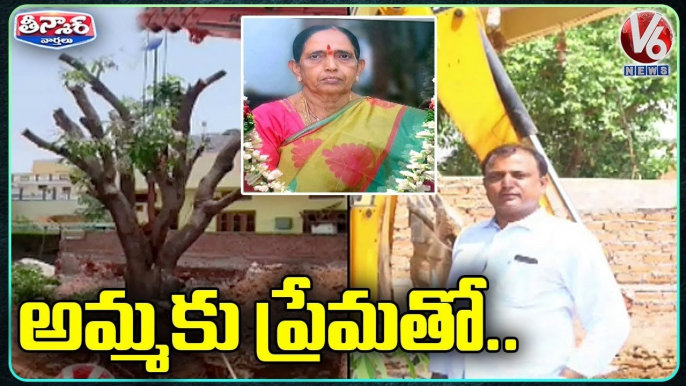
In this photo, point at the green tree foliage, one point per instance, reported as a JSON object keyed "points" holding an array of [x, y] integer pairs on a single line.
{"points": [[593, 122]]}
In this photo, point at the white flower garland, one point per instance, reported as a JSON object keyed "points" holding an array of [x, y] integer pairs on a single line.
{"points": [[421, 166], [257, 173]]}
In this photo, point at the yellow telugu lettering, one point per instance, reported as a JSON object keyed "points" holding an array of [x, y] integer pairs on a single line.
{"points": [[154, 363], [292, 335], [36, 334], [102, 335], [210, 341], [432, 324], [344, 335]]}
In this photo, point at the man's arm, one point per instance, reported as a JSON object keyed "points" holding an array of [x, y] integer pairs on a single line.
{"points": [[599, 304]]}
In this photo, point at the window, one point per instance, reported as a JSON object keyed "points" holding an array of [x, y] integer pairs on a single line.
{"points": [[337, 217], [66, 193], [64, 177], [236, 221], [142, 197]]}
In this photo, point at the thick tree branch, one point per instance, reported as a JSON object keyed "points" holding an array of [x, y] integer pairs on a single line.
{"points": [[67, 125], [99, 88], [225, 201], [87, 167], [173, 197], [127, 184], [183, 123], [222, 165], [203, 213], [93, 124], [205, 207], [91, 120], [191, 162]]}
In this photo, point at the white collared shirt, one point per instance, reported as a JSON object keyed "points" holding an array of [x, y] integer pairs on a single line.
{"points": [[541, 270]]}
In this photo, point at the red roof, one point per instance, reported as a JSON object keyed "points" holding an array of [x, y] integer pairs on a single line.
{"points": [[224, 22]]}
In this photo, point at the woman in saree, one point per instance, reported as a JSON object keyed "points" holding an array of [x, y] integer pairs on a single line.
{"points": [[326, 138]]}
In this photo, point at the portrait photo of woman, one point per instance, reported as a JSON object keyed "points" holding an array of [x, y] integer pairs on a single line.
{"points": [[346, 127]]}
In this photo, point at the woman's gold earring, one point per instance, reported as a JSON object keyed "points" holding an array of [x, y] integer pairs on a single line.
{"points": [[358, 78]]}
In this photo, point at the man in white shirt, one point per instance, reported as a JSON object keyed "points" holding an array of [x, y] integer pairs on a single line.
{"points": [[542, 270]]}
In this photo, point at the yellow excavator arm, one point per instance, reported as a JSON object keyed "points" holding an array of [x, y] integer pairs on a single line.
{"points": [[473, 99]]}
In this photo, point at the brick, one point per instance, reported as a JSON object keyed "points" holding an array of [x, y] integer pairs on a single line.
{"points": [[668, 228], [646, 248], [648, 297], [665, 268], [660, 237], [628, 278], [669, 248], [620, 247], [641, 268], [604, 216], [629, 235], [616, 226], [594, 225], [645, 225], [631, 216], [619, 268], [660, 279], [625, 257], [660, 308], [660, 216], [605, 237], [658, 259], [669, 297]]}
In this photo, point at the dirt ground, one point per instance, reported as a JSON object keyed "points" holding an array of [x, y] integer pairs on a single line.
{"points": [[253, 285]]}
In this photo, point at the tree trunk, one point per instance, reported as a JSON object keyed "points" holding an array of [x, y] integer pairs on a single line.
{"points": [[149, 283]]}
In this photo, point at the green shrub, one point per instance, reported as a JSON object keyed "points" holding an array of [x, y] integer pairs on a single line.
{"points": [[28, 283]]}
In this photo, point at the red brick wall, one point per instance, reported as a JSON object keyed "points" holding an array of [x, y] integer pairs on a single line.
{"points": [[640, 242], [212, 251]]}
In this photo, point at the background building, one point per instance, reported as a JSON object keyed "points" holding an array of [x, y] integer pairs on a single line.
{"points": [[46, 195]]}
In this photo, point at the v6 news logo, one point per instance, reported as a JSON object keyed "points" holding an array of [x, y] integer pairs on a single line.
{"points": [[54, 29], [646, 37]]}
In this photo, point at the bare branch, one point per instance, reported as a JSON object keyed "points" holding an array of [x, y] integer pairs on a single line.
{"points": [[93, 124], [222, 165], [205, 207], [92, 170], [66, 124], [191, 162], [200, 219], [99, 88], [43, 144], [225, 201], [91, 120], [183, 123]]}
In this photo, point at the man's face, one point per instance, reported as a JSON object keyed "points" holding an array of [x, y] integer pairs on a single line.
{"points": [[513, 185], [328, 63]]}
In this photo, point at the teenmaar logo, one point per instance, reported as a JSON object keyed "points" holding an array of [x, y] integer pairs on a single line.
{"points": [[54, 29]]}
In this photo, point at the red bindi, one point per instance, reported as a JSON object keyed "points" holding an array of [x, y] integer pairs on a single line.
{"points": [[328, 50]]}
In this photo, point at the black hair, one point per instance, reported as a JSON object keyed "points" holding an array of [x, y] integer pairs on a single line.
{"points": [[304, 35], [508, 150]]}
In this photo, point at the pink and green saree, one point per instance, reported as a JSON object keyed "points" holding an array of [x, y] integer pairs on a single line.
{"points": [[361, 148]]}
